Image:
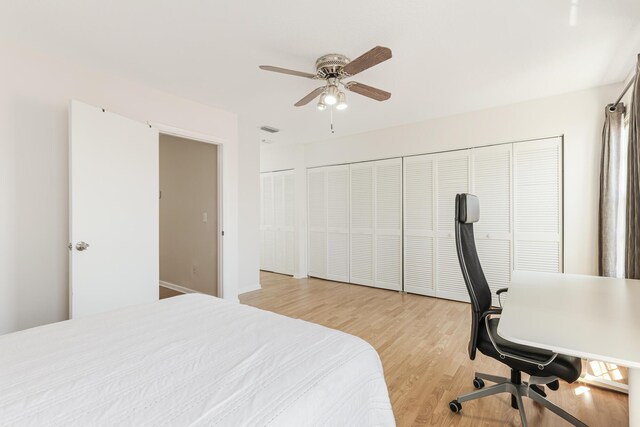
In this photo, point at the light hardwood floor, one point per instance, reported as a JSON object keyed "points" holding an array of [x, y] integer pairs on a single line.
{"points": [[168, 293], [423, 346]]}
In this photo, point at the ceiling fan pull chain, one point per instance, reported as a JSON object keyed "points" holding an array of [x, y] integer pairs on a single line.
{"points": [[332, 131]]}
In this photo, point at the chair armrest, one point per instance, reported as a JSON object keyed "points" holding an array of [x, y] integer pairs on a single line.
{"points": [[499, 292], [504, 354]]}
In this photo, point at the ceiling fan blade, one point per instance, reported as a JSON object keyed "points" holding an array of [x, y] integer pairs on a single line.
{"points": [[307, 99], [287, 71], [367, 60], [368, 91]]}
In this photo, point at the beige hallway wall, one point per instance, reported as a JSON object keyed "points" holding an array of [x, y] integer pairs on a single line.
{"points": [[189, 188]]}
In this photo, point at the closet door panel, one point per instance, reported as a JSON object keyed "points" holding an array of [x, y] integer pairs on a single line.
{"points": [[495, 258], [268, 197], [289, 222], [492, 182], [316, 208], [538, 205], [419, 217], [418, 262], [450, 282], [338, 222], [452, 177], [388, 262], [278, 216], [361, 266], [269, 250], [269, 237], [532, 255], [388, 224], [317, 251], [362, 223], [338, 256]]}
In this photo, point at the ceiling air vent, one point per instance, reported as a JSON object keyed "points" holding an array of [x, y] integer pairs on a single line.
{"points": [[269, 129]]}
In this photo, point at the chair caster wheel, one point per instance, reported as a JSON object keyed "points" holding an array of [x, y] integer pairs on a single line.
{"points": [[478, 383], [455, 406], [554, 385]]}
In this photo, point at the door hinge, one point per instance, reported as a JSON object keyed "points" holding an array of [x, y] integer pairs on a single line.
{"points": [[70, 246], [222, 233]]}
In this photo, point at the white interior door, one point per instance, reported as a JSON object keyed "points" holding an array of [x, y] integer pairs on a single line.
{"points": [[537, 199], [491, 182], [362, 199], [114, 211], [452, 177], [317, 220], [268, 223], [337, 222], [278, 216], [388, 221], [289, 222], [419, 224]]}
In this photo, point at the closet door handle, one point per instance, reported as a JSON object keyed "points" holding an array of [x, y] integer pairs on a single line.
{"points": [[82, 246]]}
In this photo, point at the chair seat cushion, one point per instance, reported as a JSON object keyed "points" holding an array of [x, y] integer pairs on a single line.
{"points": [[567, 368]]}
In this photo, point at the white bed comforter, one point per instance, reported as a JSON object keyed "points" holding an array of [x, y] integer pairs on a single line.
{"points": [[190, 360]]}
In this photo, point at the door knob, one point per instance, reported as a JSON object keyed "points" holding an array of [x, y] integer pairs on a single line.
{"points": [[82, 246]]}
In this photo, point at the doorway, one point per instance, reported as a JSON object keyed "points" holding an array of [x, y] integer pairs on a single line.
{"points": [[189, 216]]}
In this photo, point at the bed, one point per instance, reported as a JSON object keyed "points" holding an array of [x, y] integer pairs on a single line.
{"points": [[191, 360]]}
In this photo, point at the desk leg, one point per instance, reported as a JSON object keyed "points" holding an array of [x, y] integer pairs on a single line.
{"points": [[634, 397]]}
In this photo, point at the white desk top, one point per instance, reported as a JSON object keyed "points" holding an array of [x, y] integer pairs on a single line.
{"points": [[586, 316]]}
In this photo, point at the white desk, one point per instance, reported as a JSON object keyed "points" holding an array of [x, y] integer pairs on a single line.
{"points": [[586, 316]]}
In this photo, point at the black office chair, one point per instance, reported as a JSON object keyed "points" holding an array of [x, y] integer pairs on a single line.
{"points": [[544, 367]]}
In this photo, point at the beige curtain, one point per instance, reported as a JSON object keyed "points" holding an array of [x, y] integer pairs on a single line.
{"points": [[610, 204], [632, 246]]}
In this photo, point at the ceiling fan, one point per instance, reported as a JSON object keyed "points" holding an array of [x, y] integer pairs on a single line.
{"points": [[333, 68]]}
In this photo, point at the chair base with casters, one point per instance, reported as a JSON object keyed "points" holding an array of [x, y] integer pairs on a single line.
{"points": [[543, 367], [518, 389]]}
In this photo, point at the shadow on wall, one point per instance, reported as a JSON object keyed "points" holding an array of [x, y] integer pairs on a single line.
{"points": [[40, 262]]}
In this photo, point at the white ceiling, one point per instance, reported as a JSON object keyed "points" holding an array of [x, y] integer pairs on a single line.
{"points": [[449, 56]]}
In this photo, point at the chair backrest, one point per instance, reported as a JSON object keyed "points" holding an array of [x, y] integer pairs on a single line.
{"points": [[468, 212]]}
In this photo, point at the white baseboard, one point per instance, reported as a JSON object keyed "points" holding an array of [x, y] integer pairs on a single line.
{"points": [[177, 288], [300, 276], [252, 288]]}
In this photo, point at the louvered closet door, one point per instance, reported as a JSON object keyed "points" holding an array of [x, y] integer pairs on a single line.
{"points": [[388, 224], [317, 220], [269, 223], [491, 182], [362, 223], [452, 177], [278, 209], [289, 222], [538, 205], [419, 238], [337, 237]]}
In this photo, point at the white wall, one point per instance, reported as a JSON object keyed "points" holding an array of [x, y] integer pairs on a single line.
{"points": [[35, 91], [578, 116], [249, 208]]}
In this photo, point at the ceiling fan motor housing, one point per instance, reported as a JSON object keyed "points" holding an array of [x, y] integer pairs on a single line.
{"points": [[330, 65]]}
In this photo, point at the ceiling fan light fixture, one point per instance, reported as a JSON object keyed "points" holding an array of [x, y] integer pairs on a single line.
{"points": [[342, 101], [321, 105], [331, 96]]}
